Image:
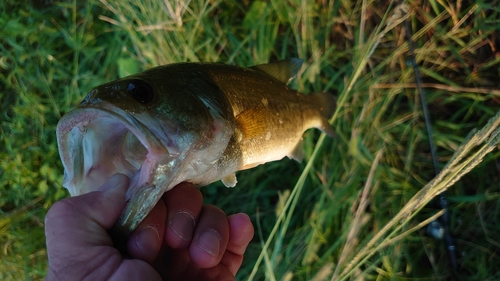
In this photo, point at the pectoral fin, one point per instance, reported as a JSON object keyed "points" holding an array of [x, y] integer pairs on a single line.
{"points": [[252, 122]]}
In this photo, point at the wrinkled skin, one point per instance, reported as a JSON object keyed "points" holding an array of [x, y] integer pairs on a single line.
{"points": [[168, 244]]}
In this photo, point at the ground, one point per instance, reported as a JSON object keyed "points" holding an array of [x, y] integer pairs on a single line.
{"points": [[328, 217]]}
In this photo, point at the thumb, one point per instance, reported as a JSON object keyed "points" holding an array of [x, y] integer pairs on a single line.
{"points": [[106, 205], [76, 230], [95, 212]]}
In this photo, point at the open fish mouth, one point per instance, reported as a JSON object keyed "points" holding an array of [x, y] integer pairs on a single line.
{"points": [[99, 141]]}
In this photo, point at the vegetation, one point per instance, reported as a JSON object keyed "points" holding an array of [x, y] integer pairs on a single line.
{"points": [[348, 211]]}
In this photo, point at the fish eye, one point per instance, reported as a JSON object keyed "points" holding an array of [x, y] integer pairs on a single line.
{"points": [[141, 90]]}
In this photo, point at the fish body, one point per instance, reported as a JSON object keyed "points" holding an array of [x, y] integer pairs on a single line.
{"points": [[194, 122]]}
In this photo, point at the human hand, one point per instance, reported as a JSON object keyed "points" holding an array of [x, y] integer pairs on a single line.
{"points": [[179, 240]]}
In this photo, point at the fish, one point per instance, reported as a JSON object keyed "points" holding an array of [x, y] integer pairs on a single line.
{"points": [[186, 122]]}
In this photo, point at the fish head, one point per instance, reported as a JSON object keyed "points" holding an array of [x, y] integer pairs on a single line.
{"points": [[135, 94], [125, 127]]}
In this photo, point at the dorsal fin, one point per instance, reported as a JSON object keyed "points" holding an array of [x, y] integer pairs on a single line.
{"points": [[283, 70]]}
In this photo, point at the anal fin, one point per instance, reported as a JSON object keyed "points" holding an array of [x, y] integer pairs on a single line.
{"points": [[297, 153]]}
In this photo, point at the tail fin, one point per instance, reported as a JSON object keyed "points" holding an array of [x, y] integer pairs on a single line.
{"points": [[327, 104]]}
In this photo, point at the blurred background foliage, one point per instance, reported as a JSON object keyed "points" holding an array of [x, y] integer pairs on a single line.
{"points": [[52, 53]]}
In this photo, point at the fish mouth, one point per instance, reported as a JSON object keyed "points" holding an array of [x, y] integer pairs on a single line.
{"points": [[99, 141]]}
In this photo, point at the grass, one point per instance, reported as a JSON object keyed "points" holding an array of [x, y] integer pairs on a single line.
{"points": [[357, 207]]}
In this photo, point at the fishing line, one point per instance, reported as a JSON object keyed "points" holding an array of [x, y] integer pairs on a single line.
{"points": [[443, 223]]}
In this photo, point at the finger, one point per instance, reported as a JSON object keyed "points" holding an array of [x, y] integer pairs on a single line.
{"points": [[210, 238], [145, 241], [241, 232], [184, 203]]}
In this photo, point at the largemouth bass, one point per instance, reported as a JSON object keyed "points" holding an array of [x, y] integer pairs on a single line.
{"points": [[194, 122]]}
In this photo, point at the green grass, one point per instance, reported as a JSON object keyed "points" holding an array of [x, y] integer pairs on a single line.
{"points": [[346, 212]]}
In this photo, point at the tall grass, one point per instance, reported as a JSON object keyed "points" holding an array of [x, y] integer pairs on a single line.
{"points": [[357, 207]]}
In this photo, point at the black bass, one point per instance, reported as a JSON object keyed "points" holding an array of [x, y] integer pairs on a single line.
{"points": [[194, 122]]}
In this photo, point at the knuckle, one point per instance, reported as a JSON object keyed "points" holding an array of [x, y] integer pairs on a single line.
{"points": [[63, 207]]}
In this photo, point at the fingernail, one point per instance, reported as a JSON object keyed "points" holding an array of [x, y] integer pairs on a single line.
{"points": [[148, 241], [182, 224], [117, 180], [210, 242]]}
